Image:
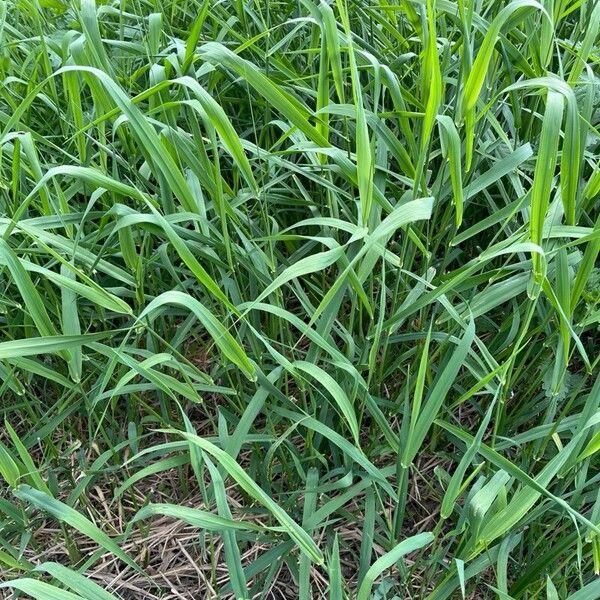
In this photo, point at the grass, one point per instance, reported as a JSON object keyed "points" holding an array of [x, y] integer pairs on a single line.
{"points": [[300, 299]]}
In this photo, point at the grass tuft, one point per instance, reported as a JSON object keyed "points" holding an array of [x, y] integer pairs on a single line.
{"points": [[299, 299]]}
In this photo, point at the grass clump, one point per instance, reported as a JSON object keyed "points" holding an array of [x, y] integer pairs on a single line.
{"points": [[299, 299]]}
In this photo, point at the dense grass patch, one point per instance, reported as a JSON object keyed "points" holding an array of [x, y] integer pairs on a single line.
{"points": [[299, 299]]}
